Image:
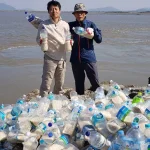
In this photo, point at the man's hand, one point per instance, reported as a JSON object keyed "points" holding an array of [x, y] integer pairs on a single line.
{"points": [[71, 42]]}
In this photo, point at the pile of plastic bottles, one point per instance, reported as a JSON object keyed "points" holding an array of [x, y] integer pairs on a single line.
{"points": [[101, 121]]}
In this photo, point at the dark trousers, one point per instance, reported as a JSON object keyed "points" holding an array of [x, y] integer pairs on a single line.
{"points": [[79, 70]]}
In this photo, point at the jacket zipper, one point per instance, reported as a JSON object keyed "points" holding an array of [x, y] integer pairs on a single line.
{"points": [[79, 49], [88, 43]]}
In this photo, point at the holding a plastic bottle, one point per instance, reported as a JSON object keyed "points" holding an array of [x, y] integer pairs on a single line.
{"points": [[83, 58], [52, 38]]}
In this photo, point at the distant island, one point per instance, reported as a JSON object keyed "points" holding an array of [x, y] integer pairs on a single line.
{"points": [[105, 9], [6, 7], [112, 9]]}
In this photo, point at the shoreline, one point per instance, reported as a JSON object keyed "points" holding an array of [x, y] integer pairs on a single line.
{"points": [[21, 71]]}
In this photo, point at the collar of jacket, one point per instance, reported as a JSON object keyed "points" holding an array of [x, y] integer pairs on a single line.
{"points": [[53, 20], [82, 22]]}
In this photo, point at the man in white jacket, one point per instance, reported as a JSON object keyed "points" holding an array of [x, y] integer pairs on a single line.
{"points": [[55, 57]]}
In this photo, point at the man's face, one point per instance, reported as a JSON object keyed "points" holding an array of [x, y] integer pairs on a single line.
{"points": [[80, 15], [54, 12]]}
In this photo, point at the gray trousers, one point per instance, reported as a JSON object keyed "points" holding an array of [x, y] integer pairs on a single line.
{"points": [[52, 69], [79, 70]]}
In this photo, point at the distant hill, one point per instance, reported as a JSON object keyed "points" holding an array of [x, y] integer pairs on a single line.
{"points": [[105, 9], [6, 7], [143, 9]]}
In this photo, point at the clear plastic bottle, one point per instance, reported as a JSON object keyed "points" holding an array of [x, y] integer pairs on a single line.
{"points": [[30, 17], [136, 136], [43, 145], [147, 130], [147, 90], [100, 122], [61, 143], [138, 99], [117, 144], [99, 93], [52, 127], [95, 139], [44, 38], [48, 137], [79, 30], [30, 144]]}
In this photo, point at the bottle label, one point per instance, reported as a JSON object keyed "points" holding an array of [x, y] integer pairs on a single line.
{"points": [[109, 106], [42, 126], [65, 139], [147, 113], [122, 113]]}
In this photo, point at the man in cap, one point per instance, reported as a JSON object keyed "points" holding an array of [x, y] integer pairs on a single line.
{"points": [[83, 58]]}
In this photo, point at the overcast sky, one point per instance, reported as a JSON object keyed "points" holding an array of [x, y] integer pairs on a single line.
{"points": [[68, 5]]}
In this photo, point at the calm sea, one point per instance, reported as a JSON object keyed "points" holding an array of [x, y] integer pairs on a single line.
{"points": [[124, 54]]}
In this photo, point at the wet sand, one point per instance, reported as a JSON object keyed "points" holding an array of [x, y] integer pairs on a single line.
{"points": [[21, 71]]}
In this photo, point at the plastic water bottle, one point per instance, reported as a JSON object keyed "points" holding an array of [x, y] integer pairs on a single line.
{"points": [[16, 111], [95, 139], [75, 113], [99, 93], [51, 96], [135, 135], [147, 90], [2, 125], [44, 36], [114, 85], [61, 143], [30, 17], [79, 30], [41, 128], [138, 99], [115, 125], [147, 130], [43, 145], [48, 137], [30, 144], [53, 128], [117, 144], [68, 43], [100, 122], [143, 108], [43, 33]]}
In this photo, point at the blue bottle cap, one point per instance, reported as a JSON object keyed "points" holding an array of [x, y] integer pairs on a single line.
{"points": [[25, 12], [20, 101], [87, 133], [90, 109], [50, 134], [120, 132], [1, 106], [50, 124], [135, 124], [42, 141], [147, 125], [65, 138], [2, 116]]}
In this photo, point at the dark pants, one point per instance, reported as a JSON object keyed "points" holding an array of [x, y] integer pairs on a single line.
{"points": [[79, 70]]}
